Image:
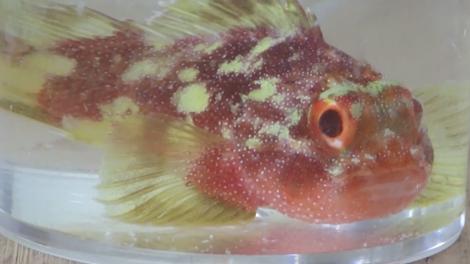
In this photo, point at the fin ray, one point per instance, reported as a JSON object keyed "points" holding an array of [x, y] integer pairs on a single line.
{"points": [[143, 175], [38, 27], [41, 25], [210, 17], [446, 111]]}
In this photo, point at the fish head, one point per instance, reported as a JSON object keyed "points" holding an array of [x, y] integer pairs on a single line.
{"points": [[385, 121], [371, 156]]}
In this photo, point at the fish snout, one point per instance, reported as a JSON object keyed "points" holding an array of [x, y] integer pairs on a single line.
{"points": [[418, 110]]}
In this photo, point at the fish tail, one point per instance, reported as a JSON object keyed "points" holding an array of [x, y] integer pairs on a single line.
{"points": [[446, 114], [21, 82], [29, 36]]}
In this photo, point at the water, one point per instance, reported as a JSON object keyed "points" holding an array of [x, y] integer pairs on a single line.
{"points": [[48, 181], [63, 201]]}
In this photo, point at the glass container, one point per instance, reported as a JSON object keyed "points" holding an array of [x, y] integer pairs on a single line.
{"points": [[78, 108]]}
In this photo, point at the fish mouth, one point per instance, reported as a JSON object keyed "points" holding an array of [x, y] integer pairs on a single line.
{"points": [[368, 194], [376, 194], [383, 190], [372, 191], [424, 143]]}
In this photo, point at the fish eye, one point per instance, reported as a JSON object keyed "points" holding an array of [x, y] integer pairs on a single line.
{"points": [[333, 123]]}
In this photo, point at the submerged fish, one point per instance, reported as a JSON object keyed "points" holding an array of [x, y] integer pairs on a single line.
{"points": [[217, 108]]}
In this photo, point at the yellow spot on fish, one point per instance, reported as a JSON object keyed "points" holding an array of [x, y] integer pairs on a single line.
{"points": [[257, 65], [142, 69], [234, 66], [356, 110], [28, 75], [120, 107], [277, 130], [297, 145], [188, 74], [51, 63], [330, 101], [253, 143], [192, 99], [267, 89], [278, 98], [294, 117], [238, 65], [284, 133], [272, 129], [208, 49], [262, 46], [200, 47], [226, 133], [377, 87], [336, 89], [335, 170]]}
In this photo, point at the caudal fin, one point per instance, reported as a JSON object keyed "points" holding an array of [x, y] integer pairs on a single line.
{"points": [[27, 58], [22, 79]]}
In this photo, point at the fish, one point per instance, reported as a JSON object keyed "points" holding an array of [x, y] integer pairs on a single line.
{"points": [[217, 108]]}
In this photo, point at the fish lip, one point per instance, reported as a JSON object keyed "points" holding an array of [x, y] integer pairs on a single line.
{"points": [[384, 178], [424, 142], [384, 192], [368, 194]]}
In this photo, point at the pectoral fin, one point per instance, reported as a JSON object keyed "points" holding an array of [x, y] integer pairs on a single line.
{"points": [[446, 115], [143, 175]]}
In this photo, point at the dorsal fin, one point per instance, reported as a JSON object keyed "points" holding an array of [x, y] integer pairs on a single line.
{"points": [[187, 17], [42, 24], [143, 175]]}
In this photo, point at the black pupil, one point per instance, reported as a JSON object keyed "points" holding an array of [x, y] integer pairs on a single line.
{"points": [[331, 124]]}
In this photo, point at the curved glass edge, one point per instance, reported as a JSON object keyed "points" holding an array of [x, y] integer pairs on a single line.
{"points": [[70, 247]]}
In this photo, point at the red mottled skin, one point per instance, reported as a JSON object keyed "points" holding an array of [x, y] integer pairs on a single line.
{"points": [[96, 79], [384, 178]]}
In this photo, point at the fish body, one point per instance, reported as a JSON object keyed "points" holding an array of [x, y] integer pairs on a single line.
{"points": [[255, 115]]}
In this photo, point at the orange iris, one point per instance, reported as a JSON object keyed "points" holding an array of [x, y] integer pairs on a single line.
{"points": [[333, 122]]}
